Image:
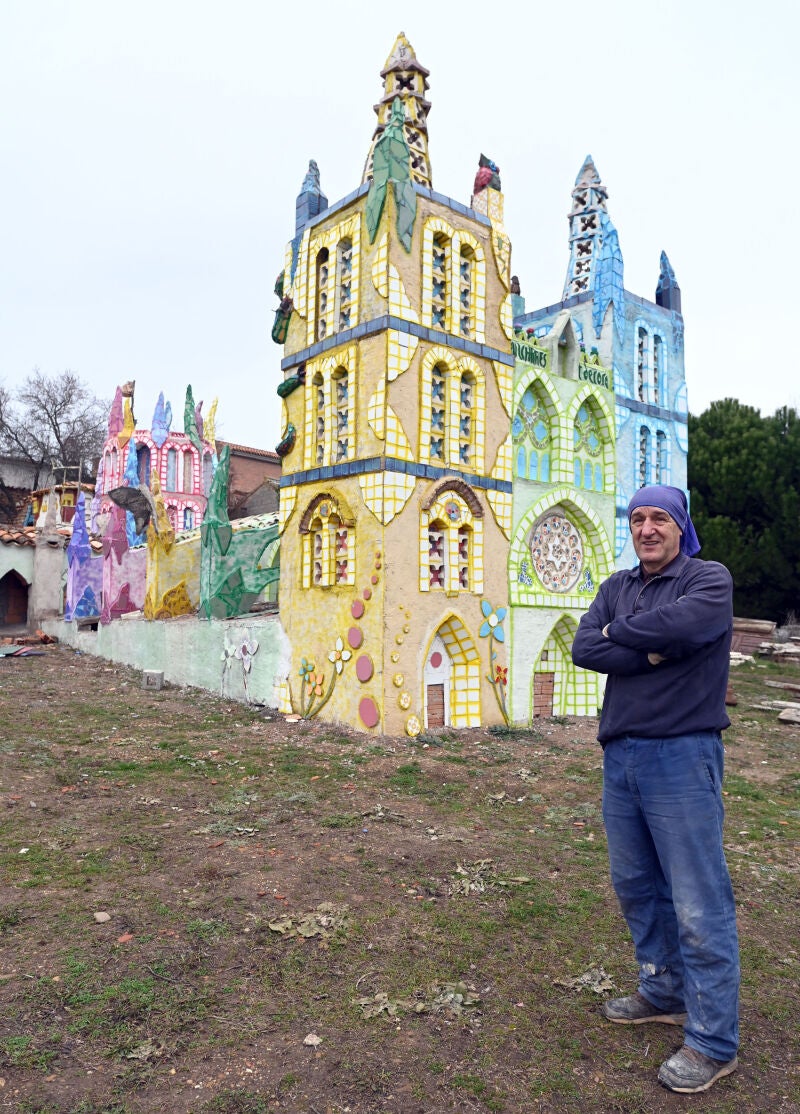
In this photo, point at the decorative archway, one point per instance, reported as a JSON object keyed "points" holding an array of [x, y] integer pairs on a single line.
{"points": [[452, 677], [13, 599]]}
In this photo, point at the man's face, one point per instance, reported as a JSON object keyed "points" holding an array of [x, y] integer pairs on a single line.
{"points": [[656, 538]]}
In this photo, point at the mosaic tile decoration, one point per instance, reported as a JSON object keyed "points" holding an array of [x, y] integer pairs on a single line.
{"points": [[399, 303], [385, 494], [401, 349], [380, 267], [286, 505], [502, 502], [505, 384], [507, 317]]}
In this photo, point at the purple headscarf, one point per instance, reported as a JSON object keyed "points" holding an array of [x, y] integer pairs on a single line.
{"points": [[673, 501]]}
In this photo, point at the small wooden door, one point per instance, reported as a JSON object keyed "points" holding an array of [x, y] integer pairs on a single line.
{"points": [[435, 705], [543, 685]]}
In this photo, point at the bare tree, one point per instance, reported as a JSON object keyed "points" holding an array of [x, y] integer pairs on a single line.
{"points": [[53, 422]]}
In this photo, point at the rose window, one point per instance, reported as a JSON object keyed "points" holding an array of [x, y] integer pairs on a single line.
{"points": [[557, 552]]}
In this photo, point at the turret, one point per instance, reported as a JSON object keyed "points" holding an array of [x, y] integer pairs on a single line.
{"points": [[404, 77], [668, 293]]}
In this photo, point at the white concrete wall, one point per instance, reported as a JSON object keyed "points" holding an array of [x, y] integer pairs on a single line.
{"points": [[19, 558], [190, 651]]}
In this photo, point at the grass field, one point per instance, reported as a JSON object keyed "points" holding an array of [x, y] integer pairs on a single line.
{"points": [[207, 909]]}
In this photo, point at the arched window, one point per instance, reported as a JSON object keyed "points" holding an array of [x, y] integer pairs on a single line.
{"points": [[451, 540], [322, 294], [644, 456], [641, 364], [530, 429], [208, 473], [188, 518], [441, 268], [172, 470], [344, 283], [466, 269], [143, 464], [589, 445], [188, 472], [328, 546]]}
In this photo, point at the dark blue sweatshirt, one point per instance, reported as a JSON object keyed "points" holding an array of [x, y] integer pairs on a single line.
{"points": [[684, 613]]}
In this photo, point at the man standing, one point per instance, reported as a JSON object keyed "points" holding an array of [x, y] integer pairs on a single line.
{"points": [[662, 633]]}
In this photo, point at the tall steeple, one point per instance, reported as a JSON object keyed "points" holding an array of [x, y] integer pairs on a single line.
{"points": [[404, 77], [595, 259]]}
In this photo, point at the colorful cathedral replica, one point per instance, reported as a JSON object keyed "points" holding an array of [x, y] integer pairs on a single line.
{"points": [[455, 470]]}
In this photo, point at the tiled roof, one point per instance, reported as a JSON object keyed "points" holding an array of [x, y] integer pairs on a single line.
{"points": [[266, 453], [18, 535]]}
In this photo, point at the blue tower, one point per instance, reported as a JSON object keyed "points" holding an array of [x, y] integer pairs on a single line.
{"points": [[641, 340]]}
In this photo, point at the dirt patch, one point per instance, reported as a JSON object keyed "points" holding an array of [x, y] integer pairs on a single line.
{"points": [[206, 908]]}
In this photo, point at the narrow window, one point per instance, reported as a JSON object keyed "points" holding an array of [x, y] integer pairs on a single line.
{"points": [[466, 268], [463, 556], [644, 456], [208, 473], [143, 465], [188, 519], [657, 342], [438, 411], [441, 252], [661, 457], [188, 473], [318, 555], [322, 294], [437, 538], [319, 418], [342, 555], [172, 470], [342, 402], [345, 282], [465, 420], [641, 365]]}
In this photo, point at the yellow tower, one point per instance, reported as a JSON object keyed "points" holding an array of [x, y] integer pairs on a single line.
{"points": [[396, 490]]}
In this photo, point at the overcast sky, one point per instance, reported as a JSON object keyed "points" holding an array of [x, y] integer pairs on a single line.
{"points": [[152, 153]]}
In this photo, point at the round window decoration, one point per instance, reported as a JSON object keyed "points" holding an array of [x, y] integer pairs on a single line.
{"points": [[557, 552]]}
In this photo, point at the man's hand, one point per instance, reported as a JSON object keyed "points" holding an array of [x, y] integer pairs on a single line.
{"points": [[656, 659]]}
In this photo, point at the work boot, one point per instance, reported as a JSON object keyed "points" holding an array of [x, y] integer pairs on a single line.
{"points": [[689, 1071], [636, 1010]]}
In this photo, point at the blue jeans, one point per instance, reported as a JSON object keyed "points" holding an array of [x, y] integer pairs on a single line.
{"points": [[662, 807]]}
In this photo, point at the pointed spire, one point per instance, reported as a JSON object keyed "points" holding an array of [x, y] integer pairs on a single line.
{"points": [[668, 293], [311, 201], [404, 77], [595, 259]]}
